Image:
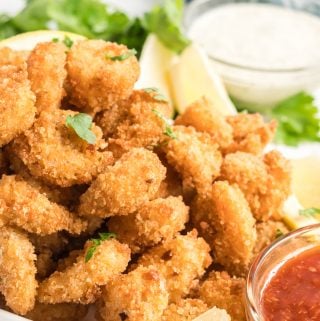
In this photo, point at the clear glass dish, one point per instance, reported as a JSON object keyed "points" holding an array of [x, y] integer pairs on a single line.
{"points": [[258, 88], [267, 263]]}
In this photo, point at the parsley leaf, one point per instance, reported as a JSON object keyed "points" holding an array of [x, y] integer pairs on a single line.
{"points": [[81, 123], [298, 120], [168, 131], [68, 42], [158, 96], [95, 243], [312, 211], [279, 233], [165, 22], [124, 56]]}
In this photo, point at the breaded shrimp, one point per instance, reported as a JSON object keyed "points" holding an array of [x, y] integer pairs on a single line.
{"points": [[184, 310], [144, 124], [17, 270], [250, 133], [225, 292], [182, 261], [156, 221], [12, 57], [81, 281], [54, 153], [224, 219], [46, 69], [99, 74], [30, 210], [265, 181], [195, 157], [17, 103], [140, 295], [202, 117], [124, 187], [57, 312]]}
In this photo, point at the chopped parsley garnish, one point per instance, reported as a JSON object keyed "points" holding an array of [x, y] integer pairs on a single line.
{"points": [[81, 123], [311, 212], [55, 40], [124, 56], [168, 131], [157, 95], [67, 41], [96, 242], [279, 233]]}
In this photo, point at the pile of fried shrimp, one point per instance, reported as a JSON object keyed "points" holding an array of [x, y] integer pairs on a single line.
{"points": [[154, 220]]}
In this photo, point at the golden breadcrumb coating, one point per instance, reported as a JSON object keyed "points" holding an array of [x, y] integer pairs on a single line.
{"points": [[32, 211], [140, 295], [124, 187], [182, 261], [225, 292], [80, 282], [17, 103], [57, 312], [224, 219], [46, 69], [202, 116], [54, 153], [17, 270], [265, 181], [95, 80], [250, 133], [184, 310], [267, 232], [195, 156], [12, 57], [143, 124], [154, 222]]}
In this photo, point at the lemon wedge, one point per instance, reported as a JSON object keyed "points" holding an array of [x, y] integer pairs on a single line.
{"points": [[192, 76], [28, 40], [155, 62], [214, 314]]}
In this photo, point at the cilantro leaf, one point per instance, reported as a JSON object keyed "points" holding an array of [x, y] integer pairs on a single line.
{"points": [[312, 211], [168, 131], [298, 120], [158, 96], [81, 123], [165, 22], [124, 56], [95, 243]]}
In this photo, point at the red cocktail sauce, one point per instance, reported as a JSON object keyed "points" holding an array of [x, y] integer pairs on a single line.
{"points": [[293, 293]]}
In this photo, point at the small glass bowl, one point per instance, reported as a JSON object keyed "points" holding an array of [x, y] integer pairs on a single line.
{"points": [[268, 262]]}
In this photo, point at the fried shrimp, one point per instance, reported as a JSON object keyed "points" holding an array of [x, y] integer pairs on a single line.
{"points": [[140, 295], [17, 103], [182, 261], [46, 69], [224, 219], [154, 222], [54, 153], [81, 281], [12, 57], [202, 116], [57, 312], [30, 210], [124, 187], [250, 133], [195, 156], [17, 270], [225, 292], [184, 310], [108, 77], [144, 123], [265, 181]]}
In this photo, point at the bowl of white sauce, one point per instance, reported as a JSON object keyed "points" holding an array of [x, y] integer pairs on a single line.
{"points": [[263, 52]]}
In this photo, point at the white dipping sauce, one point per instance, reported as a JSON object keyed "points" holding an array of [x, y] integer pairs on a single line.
{"points": [[263, 52]]}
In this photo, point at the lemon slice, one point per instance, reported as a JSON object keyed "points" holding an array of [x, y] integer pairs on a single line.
{"points": [[192, 76], [214, 314], [28, 40], [155, 62]]}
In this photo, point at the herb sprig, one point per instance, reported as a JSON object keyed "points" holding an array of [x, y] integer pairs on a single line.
{"points": [[97, 242], [310, 212], [81, 123], [168, 131], [124, 56]]}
